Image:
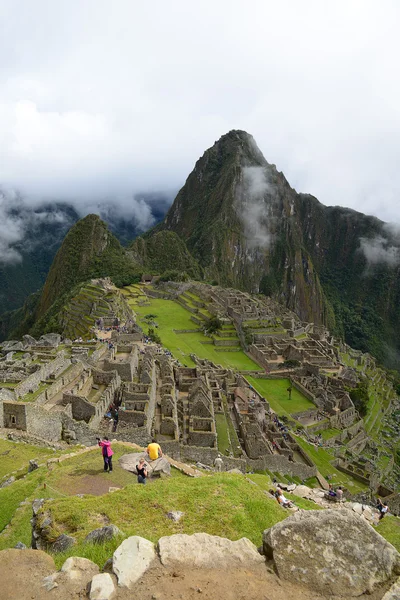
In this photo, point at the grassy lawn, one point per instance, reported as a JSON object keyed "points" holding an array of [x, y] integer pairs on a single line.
{"points": [[389, 528], [170, 316], [222, 433], [16, 455], [223, 504], [275, 392]]}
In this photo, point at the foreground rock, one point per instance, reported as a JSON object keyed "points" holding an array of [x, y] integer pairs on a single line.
{"points": [[104, 534], [131, 559], [332, 552], [207, 551], [394, 592], [102, 587]]}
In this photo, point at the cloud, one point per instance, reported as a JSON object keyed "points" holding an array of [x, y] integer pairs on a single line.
{"points": [[253, 199], [378, 250], [103, 102]]}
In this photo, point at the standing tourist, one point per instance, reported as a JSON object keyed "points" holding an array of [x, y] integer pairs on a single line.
{"points": [[107, 453]]}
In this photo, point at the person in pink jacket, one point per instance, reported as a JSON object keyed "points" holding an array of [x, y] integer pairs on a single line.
{"points": [[107, 453]]}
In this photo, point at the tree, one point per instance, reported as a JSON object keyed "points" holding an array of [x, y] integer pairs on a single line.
{"points": [[359, 396], [212, 325], [153, 335]]}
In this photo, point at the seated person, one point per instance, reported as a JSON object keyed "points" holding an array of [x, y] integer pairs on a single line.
{"points": [[339, 494], [283, 501], [153, 450], [331, 491]]}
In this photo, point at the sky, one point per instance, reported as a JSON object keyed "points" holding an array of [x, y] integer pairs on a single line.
{"points": [[100, 100]]}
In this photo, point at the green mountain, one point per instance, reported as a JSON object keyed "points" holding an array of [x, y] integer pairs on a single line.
{"points": [[163, 252], [249, 229], [88, 251]]}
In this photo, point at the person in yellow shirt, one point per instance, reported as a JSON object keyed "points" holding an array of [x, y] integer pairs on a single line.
{"points": [[153, 450]]}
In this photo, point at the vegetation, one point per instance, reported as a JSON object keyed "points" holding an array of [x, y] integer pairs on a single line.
{"points": [[173, 317], [212, 325], [360, 397], [275, 391]]}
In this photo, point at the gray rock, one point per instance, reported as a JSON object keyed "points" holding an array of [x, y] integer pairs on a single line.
{"points": [[20, 546], [131, 559], [50, 339], [175, 515], [102, 587], [291, 487], [98, 536], [37, 505], [235, 471], [108, 566], [207, 551], [62, 543], [50, 582], [29, 340], [154, 467], [394, 592], [332, 552], [302, 491], [79, 570], [33, 465], [8, 482]]}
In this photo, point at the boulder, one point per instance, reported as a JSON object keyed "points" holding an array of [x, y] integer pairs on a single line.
{"points": [[50, 339], [154, 467], [29, 340], [20, 546], [62, 543], [332, 552], [131, 559], [102, 587], [207, 551], [302, 491], [98, 536], [33, 465], [7, 482], [79, 570], [394, 592]]}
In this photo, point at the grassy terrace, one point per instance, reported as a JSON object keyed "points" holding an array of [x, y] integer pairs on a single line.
{"points": [[275, 392], [323, 460], [220, 504], [173, 316]]}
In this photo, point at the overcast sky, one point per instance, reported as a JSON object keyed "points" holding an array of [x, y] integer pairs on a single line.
{"points": [[102, 99]]}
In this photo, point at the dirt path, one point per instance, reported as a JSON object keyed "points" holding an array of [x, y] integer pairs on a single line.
{"points": [[22, 573]]}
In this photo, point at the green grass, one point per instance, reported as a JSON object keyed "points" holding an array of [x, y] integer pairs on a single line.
{"points": [[15, 455], [264, 482], [31, 396], [222, 433], [323, 460], [389, 528], [275, 392], [170, 316], [223, 504]]}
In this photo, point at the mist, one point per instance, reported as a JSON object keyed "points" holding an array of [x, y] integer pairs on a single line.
{"points": [[101, 102], [252, 200]]}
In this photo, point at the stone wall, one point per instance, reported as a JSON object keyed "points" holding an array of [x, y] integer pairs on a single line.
{"points": [[42, 423], [33, 381], [97, 354], [14, 415], [278, 463], [55, 387]]}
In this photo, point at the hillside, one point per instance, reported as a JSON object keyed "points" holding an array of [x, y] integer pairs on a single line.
{"points": [[250, 230], [162, 252]]}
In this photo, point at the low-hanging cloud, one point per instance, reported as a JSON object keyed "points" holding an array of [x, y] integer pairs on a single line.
{"points": [[21, 217], [379, 250], [252, 208]]}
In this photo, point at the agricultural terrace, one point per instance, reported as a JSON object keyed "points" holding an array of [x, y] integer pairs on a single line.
{"points": [[275, 392], [170, 317]]}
